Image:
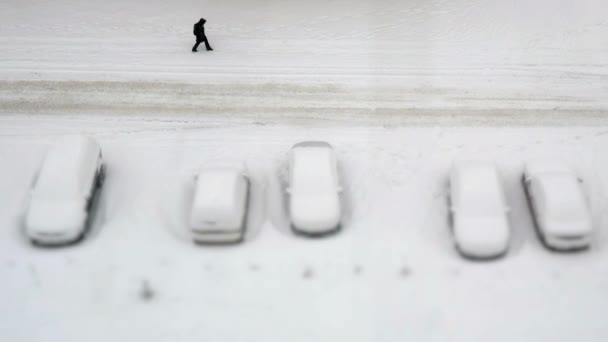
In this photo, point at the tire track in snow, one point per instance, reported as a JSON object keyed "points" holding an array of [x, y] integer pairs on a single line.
{"points": [[296, 103]]}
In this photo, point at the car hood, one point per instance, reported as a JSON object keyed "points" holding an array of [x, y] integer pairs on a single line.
{"points": [[55, 216], [315, 212]]}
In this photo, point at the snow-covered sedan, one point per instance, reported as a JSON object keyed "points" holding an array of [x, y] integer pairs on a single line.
{"points": [[220, 205], [478, 210], [559, 207], [63, 192], [314, 189]]}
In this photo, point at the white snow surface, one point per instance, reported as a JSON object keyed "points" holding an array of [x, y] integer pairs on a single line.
{"points": [[391, 274], [479, 214], [399, 88], [314, 188], [477, 188], [347, 60], [220, 197], [68, 169]]}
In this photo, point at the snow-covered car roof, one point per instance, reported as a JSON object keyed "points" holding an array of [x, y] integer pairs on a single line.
{"points": [[66, 167], [476, 187], [217, 192], [562, 196], [314, 166]]}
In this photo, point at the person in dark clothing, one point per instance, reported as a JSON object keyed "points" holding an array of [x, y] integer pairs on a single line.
{"points": [[199, 32]]}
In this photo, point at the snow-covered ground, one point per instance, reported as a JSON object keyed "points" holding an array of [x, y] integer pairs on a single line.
{"points": [[530, 59], [400, 89], [391, 274]]}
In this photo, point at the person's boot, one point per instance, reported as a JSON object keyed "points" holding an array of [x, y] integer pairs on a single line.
{"points": [[209, 49], [194, 50]]}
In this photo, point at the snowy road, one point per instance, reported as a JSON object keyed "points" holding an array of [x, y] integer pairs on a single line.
{"points": [[392, 274], [300, 102], [392, 80], [343, 60]]}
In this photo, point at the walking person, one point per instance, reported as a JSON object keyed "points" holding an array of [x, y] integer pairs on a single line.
{"points": [[199, 32]]}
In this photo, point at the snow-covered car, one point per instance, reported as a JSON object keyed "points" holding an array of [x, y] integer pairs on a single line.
{"points": [[560, 211], [63, 192], [314, 189], [220, 206], [478, 210]]}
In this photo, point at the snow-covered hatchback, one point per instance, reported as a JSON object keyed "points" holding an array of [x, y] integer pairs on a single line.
{"points": [[478, 210], [63, 192], [559, 207], [220, 206], [314, 189]]}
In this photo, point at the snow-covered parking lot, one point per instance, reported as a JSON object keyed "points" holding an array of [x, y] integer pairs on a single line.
{"points": [[392, 273]]}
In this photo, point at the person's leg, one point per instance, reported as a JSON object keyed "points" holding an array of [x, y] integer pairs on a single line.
{"points": [[209, 48], [198, 41]]}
